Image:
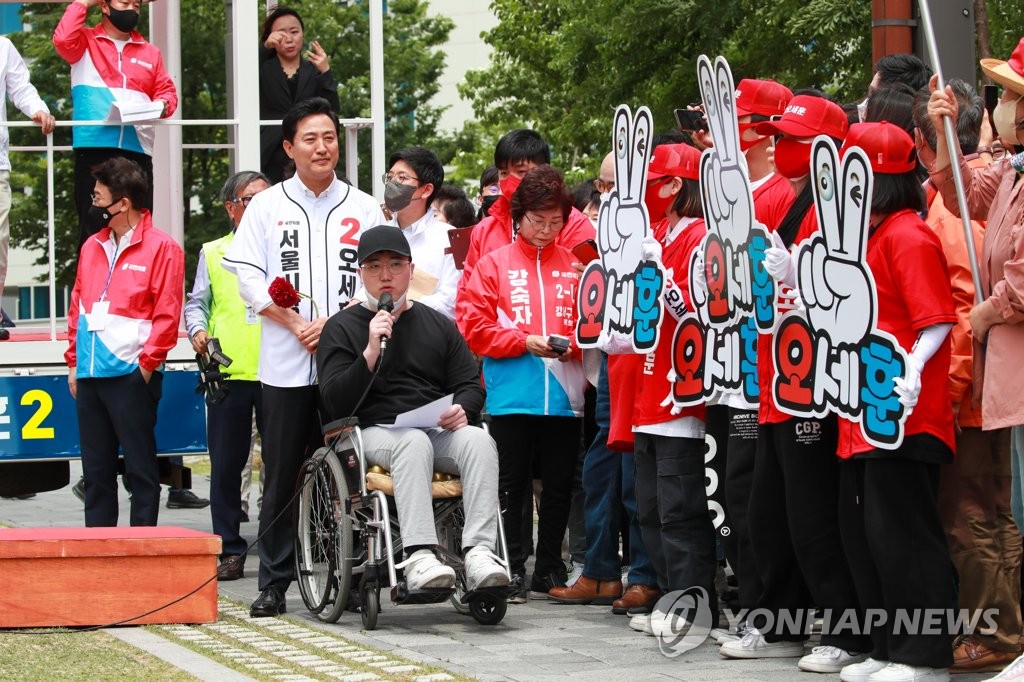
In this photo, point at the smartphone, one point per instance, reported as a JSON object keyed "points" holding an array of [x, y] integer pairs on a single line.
{"points": [[586, 251], [690, 119], [559, 344], [991, 98]]}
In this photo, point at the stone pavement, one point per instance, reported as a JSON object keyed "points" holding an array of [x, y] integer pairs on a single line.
{"points": [[536, 641]]}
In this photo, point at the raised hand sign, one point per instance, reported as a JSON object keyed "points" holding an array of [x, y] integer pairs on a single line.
{"points": [[620, 295], [829, 354], [835, 283]]}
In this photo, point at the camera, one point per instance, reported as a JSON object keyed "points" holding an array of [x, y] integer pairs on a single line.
{"points": [[559, 344], [210, 377]]}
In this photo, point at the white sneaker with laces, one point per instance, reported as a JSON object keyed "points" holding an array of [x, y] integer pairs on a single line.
{"points": [[900, 672], [484, 569], [424, 572], [731, 633], [860, 672], [828, 659], [667, 625], [753, 645]]}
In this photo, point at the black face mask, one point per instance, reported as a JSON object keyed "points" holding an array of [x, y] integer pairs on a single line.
{"points": [[487, 202], [124, 19], [102, 214]]}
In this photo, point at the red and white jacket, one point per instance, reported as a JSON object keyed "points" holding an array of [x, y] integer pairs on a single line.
{"points": [[514, 292], [102, 75], [143, 281]]}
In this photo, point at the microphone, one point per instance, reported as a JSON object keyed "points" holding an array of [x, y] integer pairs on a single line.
{"points": [[385, 302]]}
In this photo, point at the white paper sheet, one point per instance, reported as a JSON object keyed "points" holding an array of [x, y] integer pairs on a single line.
{"points": [[424, 417], [131, 112]]}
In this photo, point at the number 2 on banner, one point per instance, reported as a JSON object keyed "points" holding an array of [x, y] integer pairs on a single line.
{"points": [[32, 429]]}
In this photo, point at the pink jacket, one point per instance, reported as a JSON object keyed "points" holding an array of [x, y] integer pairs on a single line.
{"points": [[996, 193]]}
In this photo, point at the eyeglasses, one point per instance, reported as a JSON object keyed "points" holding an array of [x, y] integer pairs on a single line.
{"points": [[541, 224], [96, 196], [395, 267], [604, 185], [400, 176], [244, 201]]}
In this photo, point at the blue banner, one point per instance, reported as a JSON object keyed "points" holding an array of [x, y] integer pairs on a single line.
{"points": [[38, 418]]}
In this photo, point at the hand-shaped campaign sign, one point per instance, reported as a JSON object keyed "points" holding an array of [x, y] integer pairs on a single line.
{"points": [[732, 293], [829, 355], [620, 295]]}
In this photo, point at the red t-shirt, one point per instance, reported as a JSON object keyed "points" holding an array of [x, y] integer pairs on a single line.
{"points": [[912, 282], [768, 412], [654, 386]]}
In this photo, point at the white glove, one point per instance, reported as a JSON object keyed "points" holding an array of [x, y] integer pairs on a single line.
{"points": [[908, 387], [700, 279], [650, 248], [778, 262], [615, 343]]}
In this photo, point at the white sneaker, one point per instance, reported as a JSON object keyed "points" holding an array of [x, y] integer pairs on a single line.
{"points": [[641, 622], [666, 625], [574, 574], [828, 659], [860, 672], [484, 569], [900, 672], [424, 572], [753, 645], [731, 633]]}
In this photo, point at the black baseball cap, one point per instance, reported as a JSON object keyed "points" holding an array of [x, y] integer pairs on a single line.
{"points": [[383, 238]]}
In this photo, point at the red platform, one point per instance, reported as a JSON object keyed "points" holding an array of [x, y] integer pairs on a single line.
{"points": [[98, 576]]}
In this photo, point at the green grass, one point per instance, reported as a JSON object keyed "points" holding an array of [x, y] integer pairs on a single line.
{"points": [[86, 656]]}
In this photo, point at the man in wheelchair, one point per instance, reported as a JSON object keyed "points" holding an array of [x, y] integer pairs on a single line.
{"points": [[403, 359]]}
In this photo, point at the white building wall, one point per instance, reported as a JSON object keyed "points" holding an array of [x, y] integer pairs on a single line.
{"points": [[465, 50]]}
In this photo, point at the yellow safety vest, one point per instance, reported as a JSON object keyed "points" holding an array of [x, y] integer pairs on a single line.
{"points": [[238, 339]]}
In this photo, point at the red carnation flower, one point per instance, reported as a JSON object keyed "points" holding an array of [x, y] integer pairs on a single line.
{"points": [[283, 293]]}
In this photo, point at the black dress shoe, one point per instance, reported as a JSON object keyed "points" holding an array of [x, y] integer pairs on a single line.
{"points": [[231, 568], [269, 603], [4, 334], [185, 499]]}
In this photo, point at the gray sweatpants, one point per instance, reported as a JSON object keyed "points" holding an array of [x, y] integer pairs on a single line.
{"points": [[412, 456]]}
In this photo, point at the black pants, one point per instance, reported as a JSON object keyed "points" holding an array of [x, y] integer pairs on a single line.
{"points": [[794, 529], [85, 159], [739, 479], [716, 423], [119, 412], [229, 432], [672, 508], [291, 433], [556, 441], [897, 551]]}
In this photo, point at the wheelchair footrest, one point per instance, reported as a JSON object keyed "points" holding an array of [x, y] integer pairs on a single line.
{"points": [[502, 592], [400, 594]]}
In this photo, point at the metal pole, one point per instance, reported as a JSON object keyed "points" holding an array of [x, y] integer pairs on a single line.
{"points": [[377, 96], [51, 230], [953, 144]]}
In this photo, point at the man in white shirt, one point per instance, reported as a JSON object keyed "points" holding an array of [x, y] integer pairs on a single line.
{"points": [[415, 174], [304, 230], [14, 82]]}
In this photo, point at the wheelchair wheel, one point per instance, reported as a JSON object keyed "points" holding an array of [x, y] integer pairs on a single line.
{"points": [[323, 538], [488, 609], [370, 606]]}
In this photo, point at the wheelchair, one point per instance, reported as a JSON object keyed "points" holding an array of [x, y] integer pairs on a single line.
{"points": [[348, 541]]}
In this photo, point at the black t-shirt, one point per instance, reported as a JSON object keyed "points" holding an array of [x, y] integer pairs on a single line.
{"points": [[426, 359]]}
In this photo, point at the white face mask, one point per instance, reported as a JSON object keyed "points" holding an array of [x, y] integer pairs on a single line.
{"points": [[862, 110], [1005, 119]]}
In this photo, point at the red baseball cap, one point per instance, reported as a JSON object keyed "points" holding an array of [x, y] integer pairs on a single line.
{"points": [[808, 116], [1009, 74], [889, 148], [766, 98], [674, 160]]}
